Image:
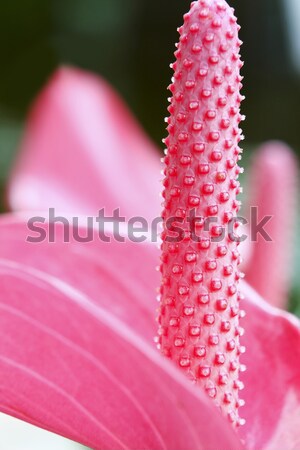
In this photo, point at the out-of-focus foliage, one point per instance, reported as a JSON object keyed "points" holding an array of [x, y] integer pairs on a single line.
{"points": [[131, 42]]}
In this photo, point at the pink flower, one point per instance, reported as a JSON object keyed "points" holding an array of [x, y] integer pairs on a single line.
{"points": [[78, 319]]}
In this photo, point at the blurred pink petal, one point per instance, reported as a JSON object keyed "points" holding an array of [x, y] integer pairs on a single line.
{"points": [[82, 150], [274, 191], [66, 300], [68, 364]]}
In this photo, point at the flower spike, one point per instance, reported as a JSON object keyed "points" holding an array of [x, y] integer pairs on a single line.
{"points": [[199, 306]]}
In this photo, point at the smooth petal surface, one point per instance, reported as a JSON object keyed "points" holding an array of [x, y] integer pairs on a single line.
{"points": [[71, 365], [273, 188], [82, 150], [272, 379]]}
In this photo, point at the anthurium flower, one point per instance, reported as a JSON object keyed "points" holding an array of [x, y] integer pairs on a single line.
{"points": [[77, 321]]}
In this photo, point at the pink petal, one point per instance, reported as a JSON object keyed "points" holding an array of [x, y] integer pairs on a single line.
{"points": [[101, 263], [82, 150], [274, 192], [68, 364], [272, 338], [272, 379]]}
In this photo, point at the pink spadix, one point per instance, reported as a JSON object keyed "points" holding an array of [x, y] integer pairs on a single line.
{"points": [[199, 307]]}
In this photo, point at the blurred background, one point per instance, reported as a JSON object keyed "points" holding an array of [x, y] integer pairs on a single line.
{"points": [[131, 43]]}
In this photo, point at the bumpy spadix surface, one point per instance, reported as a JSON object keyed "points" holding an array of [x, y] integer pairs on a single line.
{"points": [[199, 313]]}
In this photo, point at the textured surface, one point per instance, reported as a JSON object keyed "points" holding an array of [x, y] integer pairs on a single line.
{"points": [[199, 313]]}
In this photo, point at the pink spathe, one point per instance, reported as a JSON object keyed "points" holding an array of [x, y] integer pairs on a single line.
{"points": [[273, 191]]}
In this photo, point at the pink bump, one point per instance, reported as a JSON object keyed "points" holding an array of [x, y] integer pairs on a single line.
{"points": [[190, 257], [203, 169], [216, 284], [211, 114], [188, 64], [204, 243], [196, 48], [174, 322], [188, 311], [216, 23], [204, 371], [209, 37], [209, 319], [184, 361], [183, 290], [193, 200], [197, 277], [218, 80], [212, 210], [190, 84], [178, 96], [208, 189], [203, 299], [220, 358], [223, 379], [185, 160], [211, 264], [181, 117], [222, 250], [183, 137], [222, 304], [179, 342], [202, 72], [189, 180], [224, 197], [214, 59], [199, 148], [175, 192], [194, 106], [222, 101], [194, 330], [204, 13], [214, 136], [177, 269], [200, 351], [228, 270], [206, 93], [230, 345], [194, 28], [225, 326], [216, 156], [197, 126], [221, 177], [213, 339]]}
